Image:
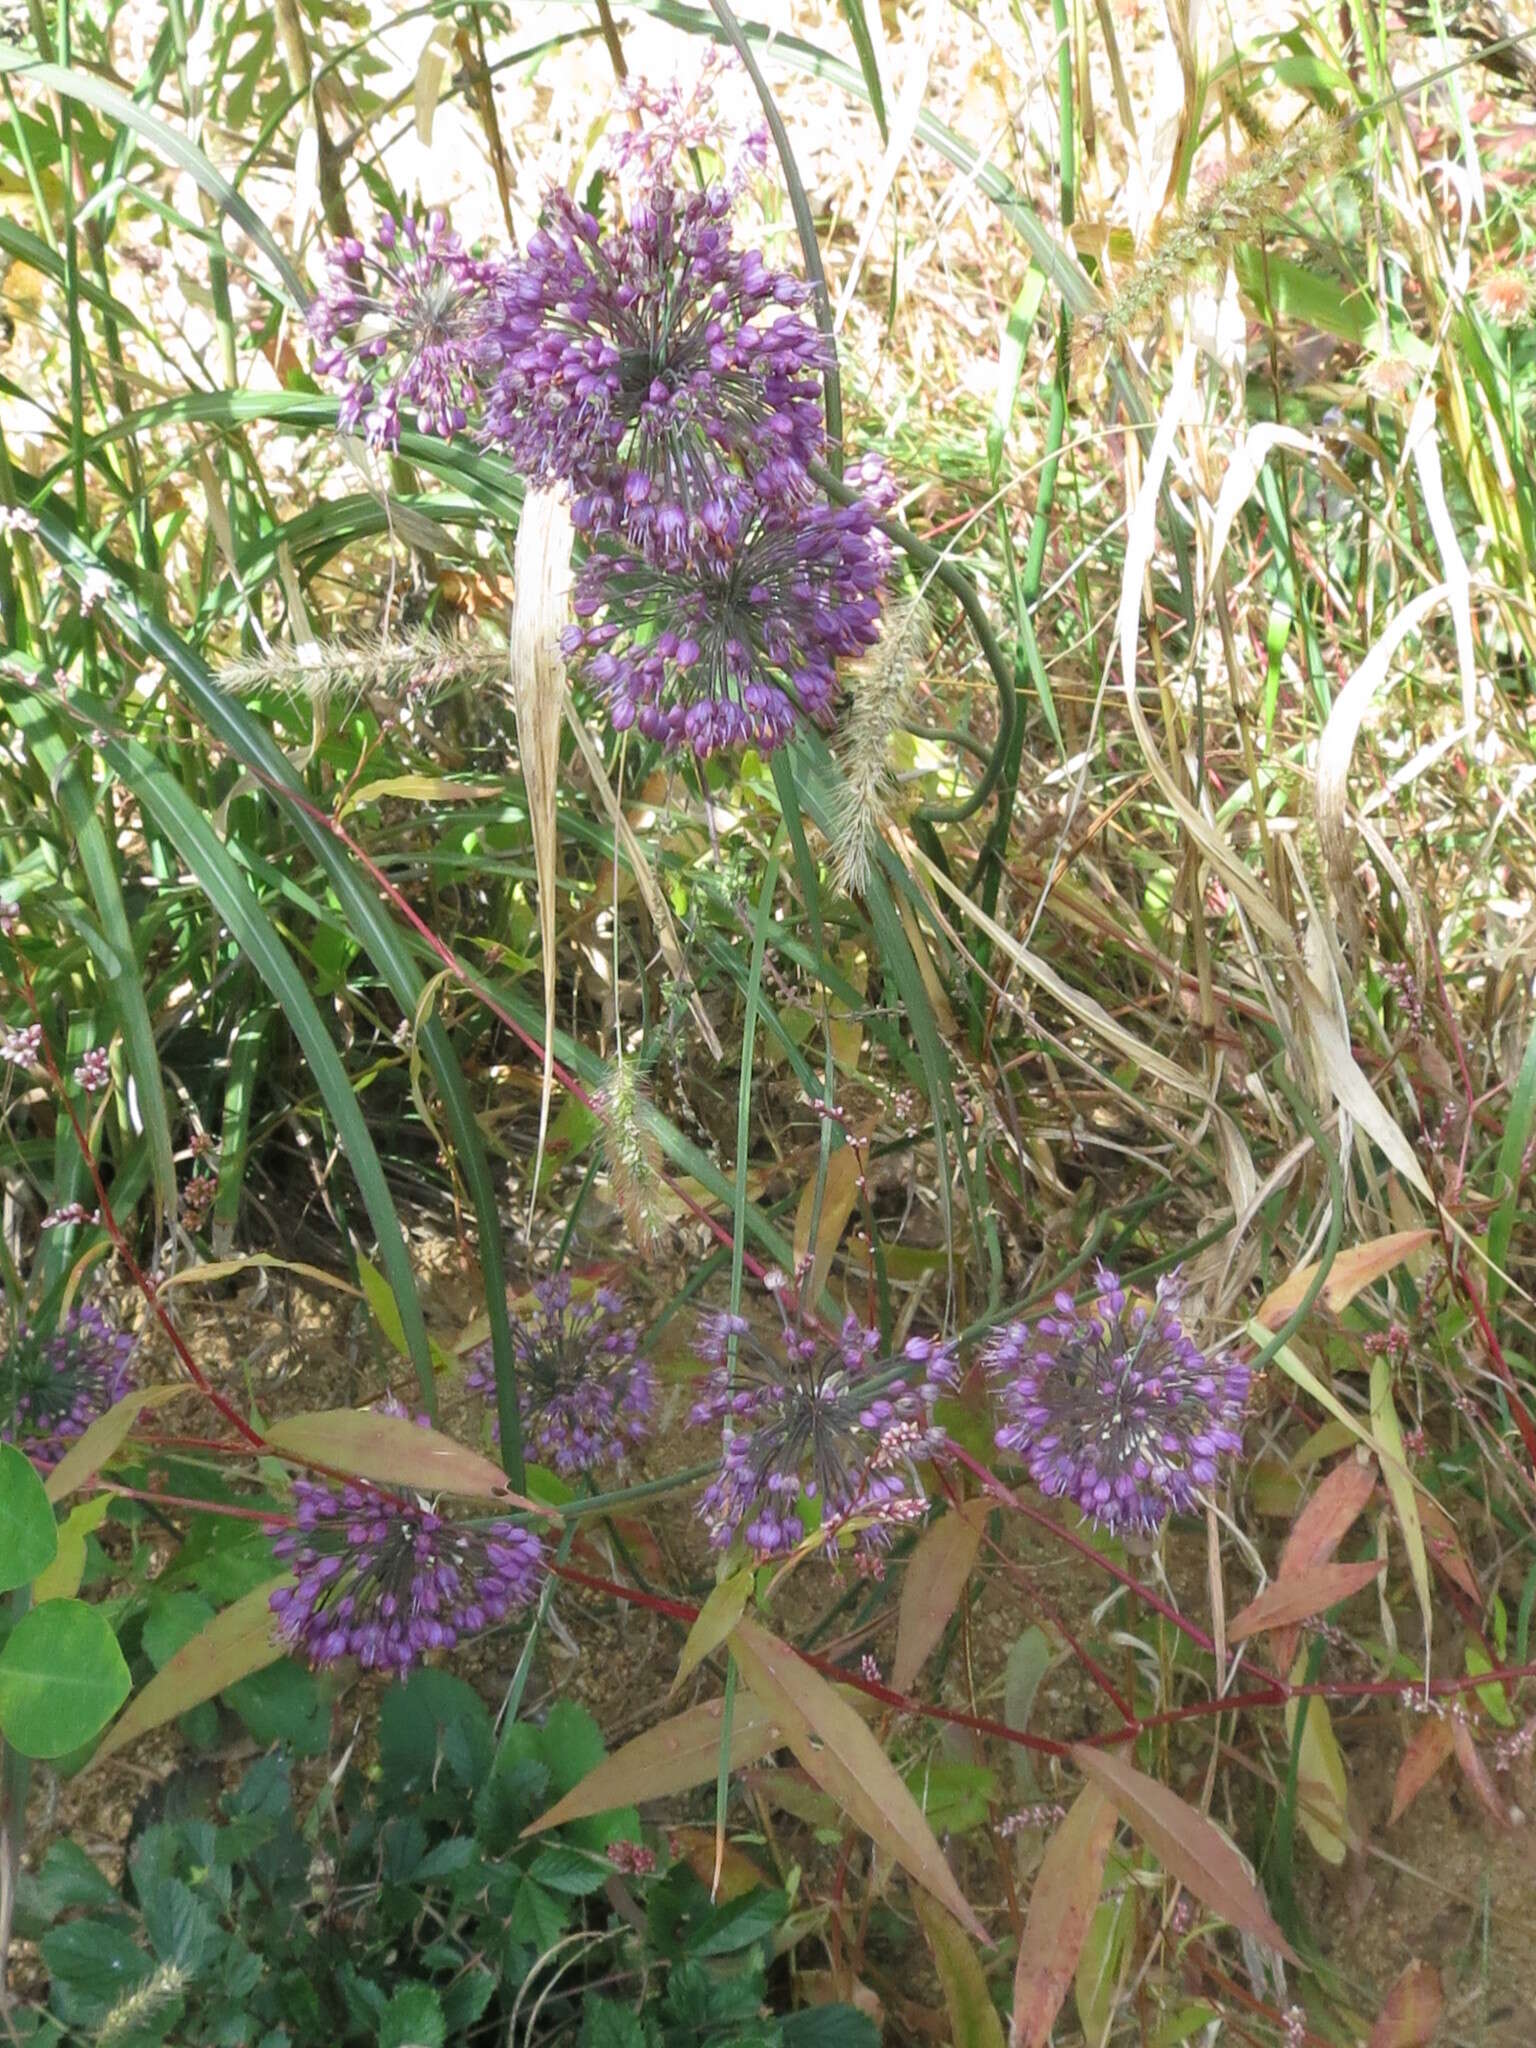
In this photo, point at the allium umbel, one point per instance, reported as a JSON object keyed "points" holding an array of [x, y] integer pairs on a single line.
{"points": [[733, 649], [1112, 1405], [655, 368], [802, 1418], [54, 1385], [402, 321], [386, 1580], [585, 1394]]}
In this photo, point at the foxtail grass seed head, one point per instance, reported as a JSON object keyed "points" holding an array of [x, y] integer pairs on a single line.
{"points": [[1111, 1405], [802, 1422], [586, 1395], [1240, 202], [882, 693], [394, 665], [400, 324], [54, 1384], [631, 1152], [386, 1580], [142, 2004]]}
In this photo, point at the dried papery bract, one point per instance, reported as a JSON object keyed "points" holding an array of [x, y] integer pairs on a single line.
{"points": [[540, 608], [389, 665], [883, 688]]}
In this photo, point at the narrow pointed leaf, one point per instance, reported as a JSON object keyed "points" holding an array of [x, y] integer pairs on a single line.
{"points": [[1423, 1754], [1188, 1845], [1297, 1598], [1061, 1909], [726, 1604], [101, 1441], [845, 1759], [973, 2020], [235, 1643], [672, 1757], [931, 1588], [1351, 1271], [391, 1450], [1413, 2011]]}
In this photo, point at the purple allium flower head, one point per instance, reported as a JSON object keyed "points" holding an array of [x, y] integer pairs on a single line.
{"points": [[402, 322], [801, 1417], [585, 1394], [386, 1580], [731, 650], [668, 124], [53, 1385], [1112, 1405], [657, 369]]}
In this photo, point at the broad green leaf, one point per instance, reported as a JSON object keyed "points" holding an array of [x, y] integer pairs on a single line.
{"points": [[846, 1760], [29, 1537], [238, 1641], [62, 1677], [1322, 1793]]}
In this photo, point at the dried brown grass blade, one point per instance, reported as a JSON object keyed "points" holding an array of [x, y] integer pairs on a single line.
{"points": [[540, 606]]}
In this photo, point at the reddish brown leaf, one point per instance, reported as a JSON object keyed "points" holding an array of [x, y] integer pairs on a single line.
{"points": [[235, 1643], [1188, 1845], [1341, 1497], [392, 1450], [1350, 1271], [1446, 1551], [672, 1757], [1061, 1909], [847, 1762], [1298, 1598], [1478, 1775], [935, 1579], [1413, 2011], [1423, 1754]]}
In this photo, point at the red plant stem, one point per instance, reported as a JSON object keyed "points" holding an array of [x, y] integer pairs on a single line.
{"points": [[145, 1284], [1467, 1287], [199, 1507], [1009, 1498], [1274, 1695]]}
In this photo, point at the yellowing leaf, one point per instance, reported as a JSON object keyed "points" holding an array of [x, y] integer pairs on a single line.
{"points": [[392, 1450], [233, 1645], [973, 2020], [838, 1196], [847, 1762], [422, 789], [103, 1439], [1414, 2009], [716, 1618], [933, 1583], [1393, 1458], [1061, 1909], [1187, 1844], [61, 1579], [1322, 1793], [1351, 1270], [672, 1757]]}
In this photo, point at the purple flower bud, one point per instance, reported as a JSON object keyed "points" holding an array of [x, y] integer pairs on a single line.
{"points": [[1113, 1406]]}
